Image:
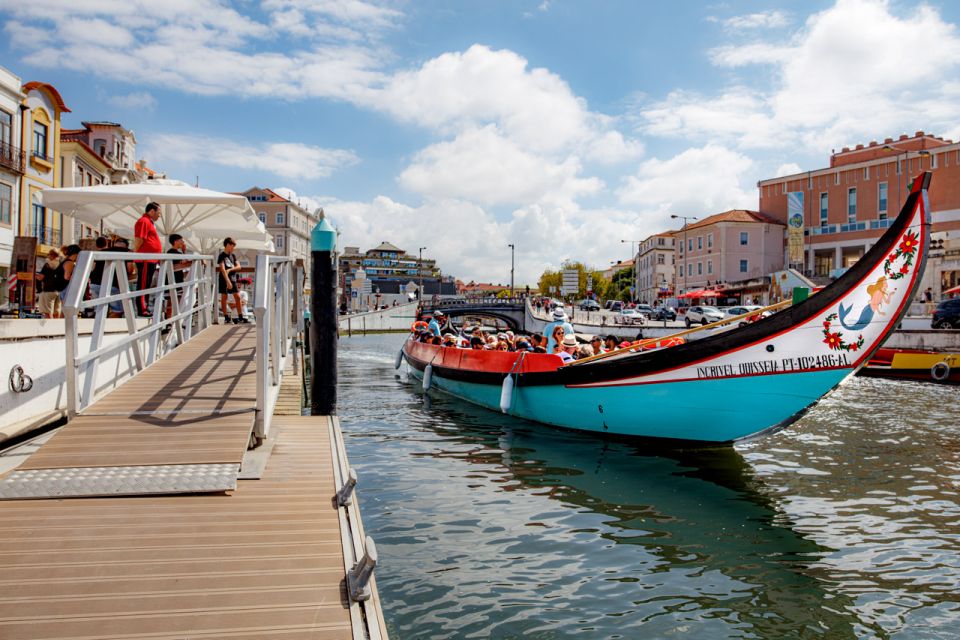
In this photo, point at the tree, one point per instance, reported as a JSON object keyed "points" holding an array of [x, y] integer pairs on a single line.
{"points": [[550, 278]]}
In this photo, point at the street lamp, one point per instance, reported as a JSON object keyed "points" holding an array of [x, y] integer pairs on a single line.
{"points": [[633, 268], [686, 253], [420, 273], [511, 269]]}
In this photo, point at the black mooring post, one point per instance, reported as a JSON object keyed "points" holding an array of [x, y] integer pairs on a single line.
{"points": [[323, 320]]}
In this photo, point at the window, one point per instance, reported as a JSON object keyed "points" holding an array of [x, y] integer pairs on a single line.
{"points": [[263, 217], [744, 238], [699, 268], [836, 178], [278, 240], [709, 267], [6, 127], [866, 173], [40, 139], [709, 241], [279, 218], [6, 202], [690, 244], [852, 204], [882, 200], [933, 161], [661, 259], [689, 269], [743, 266], [681, 247], [699, 243], [823, 208]]}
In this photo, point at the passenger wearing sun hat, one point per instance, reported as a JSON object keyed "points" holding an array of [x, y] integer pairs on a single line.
{"points": [[434, 324], [568, 348], [559, 319]]}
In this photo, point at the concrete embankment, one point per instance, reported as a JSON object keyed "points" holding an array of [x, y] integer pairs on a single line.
{"points": [[391, 319]]}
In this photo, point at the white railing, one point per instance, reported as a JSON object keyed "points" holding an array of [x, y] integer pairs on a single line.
{"points": [[190, 309], [278, 308]]}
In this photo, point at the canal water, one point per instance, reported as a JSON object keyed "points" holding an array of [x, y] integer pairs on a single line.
{"points": [[846, 525]]}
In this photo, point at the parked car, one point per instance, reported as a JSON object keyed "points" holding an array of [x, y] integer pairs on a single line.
{"points": [[589, 305], [645, 310], [731, 312], [614, 305], [947, 315], [628, 316], [703, 315], [665, 313]]}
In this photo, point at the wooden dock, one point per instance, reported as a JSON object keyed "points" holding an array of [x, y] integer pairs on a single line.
{"points": [[268, 559]]}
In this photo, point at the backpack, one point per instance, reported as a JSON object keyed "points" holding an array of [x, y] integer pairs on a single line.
{"points": [[59, 280]]}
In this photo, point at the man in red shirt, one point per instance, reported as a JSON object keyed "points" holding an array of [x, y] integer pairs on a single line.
{"points": [[146, 240]]}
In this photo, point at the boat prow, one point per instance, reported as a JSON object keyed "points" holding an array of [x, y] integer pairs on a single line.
{"points": [[727, 387]]}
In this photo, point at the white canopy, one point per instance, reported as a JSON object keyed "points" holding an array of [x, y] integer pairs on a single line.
{"points": [[200, 215]]}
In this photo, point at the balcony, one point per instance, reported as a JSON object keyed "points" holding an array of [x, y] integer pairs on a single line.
{"points": [[45, 235], [11, 157]]}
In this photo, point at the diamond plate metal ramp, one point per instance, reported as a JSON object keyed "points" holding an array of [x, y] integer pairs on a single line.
{"points": [[118, 481]]}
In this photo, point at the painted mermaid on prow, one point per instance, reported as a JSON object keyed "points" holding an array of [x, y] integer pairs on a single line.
{"points": [[879, 295]]}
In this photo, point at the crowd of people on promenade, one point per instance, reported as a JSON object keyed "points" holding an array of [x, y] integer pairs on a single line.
{"points": [[558, 338], [55, 274]]}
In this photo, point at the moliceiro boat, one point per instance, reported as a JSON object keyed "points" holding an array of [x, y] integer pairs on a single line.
{"points": [[731, 386]]}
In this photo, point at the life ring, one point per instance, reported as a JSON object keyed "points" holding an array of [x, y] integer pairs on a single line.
{"points": [[662, 343], [940, 371], [419, 326]]}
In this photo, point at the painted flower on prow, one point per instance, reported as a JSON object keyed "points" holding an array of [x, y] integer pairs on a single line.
{"points": [[909, 243], [832, 340]]}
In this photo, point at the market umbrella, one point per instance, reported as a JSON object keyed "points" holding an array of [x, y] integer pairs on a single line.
{"points": [[189, 211], [950, 292]]}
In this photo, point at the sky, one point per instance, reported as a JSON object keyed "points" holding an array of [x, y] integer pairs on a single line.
{"points": [[570, 129]]}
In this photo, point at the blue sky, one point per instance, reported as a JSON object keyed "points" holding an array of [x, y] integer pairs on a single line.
{"points": [[562, 127]]}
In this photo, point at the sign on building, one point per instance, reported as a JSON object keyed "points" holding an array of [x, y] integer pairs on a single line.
{"points": [[795, 227]]}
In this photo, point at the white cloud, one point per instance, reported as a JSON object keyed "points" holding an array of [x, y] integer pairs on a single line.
{"points": [[852, 73], [136, 100], [294, 161], [788, 169], [764, 20], [483, 166], [697, 182]]}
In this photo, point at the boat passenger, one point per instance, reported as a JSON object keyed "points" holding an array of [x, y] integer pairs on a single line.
{"points": [[610, 343], [434, 324], [477, 343], [502, 345], [597, 343], [537, 340], [568, 348], [523, 345], [557, 336], [437, 340], [585, 351], [559, 320]]}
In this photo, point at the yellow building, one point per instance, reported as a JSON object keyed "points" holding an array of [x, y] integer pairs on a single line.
{"points": [[81, 167], [42, 108]]}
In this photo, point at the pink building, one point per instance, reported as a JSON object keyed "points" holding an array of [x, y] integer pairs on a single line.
{"points": [[729, 247]]}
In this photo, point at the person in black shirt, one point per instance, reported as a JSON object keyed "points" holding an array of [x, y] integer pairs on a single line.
{"points": [[227, 267], [50, 278], [177, 246]]}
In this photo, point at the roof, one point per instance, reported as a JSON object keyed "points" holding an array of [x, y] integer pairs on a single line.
{"points": [[386, 246], [64, 137], [272, 196], [735, 215], [48, 88]]}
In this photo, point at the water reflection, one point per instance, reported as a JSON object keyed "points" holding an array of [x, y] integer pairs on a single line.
{"points": [[494, 527]]}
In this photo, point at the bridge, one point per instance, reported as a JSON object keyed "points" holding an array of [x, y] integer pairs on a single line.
{"points": [[187, 499], [512, 311]]}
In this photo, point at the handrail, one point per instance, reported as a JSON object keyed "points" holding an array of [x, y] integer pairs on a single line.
{"points": [[680, 334], [278, 308], [193, 306]]}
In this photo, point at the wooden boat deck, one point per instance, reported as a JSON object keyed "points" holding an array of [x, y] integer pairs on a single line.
{"points": [[267, 560]]}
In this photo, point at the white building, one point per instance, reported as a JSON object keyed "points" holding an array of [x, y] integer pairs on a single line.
{"points": [[12, 160], [655, 267]]}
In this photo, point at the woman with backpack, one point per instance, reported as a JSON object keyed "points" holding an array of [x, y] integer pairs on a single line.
{"points": [[67, 265]]}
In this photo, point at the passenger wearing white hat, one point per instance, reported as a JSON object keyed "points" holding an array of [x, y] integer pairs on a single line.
{"points": [[568, 348], [434, 325], [559, 319]]}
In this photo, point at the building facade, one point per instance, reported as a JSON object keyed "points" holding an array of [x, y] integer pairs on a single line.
{"points": [[12, 166], [80, 166], [387, 267], [42, 108], [288, 224], [842, 209], [655, 267], [726, 248]]}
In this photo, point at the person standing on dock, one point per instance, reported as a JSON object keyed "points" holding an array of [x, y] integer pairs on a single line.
{"points": [[227, 266], [146, 240], [559, 320]]}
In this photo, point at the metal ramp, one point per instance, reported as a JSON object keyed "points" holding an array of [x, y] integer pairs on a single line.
{"points": [[180, 426]]}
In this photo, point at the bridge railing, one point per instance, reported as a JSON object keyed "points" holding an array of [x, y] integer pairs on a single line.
{"points": [[178, 309], [278, 305], [459, 302]]}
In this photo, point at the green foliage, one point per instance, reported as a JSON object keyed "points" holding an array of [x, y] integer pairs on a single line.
{"points": [[550, 279]]}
